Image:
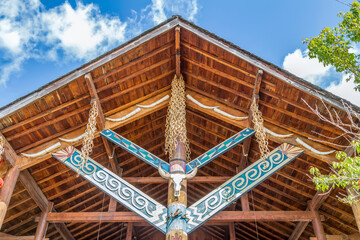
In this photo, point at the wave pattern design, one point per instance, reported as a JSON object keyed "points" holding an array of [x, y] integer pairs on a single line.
{"points": [[205, 208], [117, 188], [216, 151], [134, 149]]}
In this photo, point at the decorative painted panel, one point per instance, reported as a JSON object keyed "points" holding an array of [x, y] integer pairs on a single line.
{"points": [[216, 151], [117, 188], [134, 149], [241, 183]]}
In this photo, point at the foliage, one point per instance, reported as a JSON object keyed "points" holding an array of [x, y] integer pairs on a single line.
{"points": [[336, 46], [345, 173]]}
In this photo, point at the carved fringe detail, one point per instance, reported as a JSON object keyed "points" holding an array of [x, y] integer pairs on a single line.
{"points": [[307, 146], [43, 152], [216, 109]]}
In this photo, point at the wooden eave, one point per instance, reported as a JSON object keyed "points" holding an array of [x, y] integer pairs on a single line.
{"points": [[216, 73]]}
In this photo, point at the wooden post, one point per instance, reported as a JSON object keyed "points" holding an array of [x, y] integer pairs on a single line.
{"points": [[318, 227], [42, 225], [129, 231], [7, 191], [177, 51], [355, 206], [232, 231], [177, 228]]}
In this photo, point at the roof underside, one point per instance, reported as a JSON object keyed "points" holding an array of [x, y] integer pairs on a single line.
{"points": [[143, 73]]}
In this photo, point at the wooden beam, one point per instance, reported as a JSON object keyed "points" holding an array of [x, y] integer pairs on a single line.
{"points": [[7, 191], [177, 51], [224, 216], [42, 226], [129, 231]]}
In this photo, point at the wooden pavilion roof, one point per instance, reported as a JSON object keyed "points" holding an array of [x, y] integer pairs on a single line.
{"points": [[216, 73]]}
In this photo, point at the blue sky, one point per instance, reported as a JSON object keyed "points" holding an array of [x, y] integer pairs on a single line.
{"points": [[43, 40]]}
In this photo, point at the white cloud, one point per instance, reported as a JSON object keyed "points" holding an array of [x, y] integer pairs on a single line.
{"points": [[161, 9], [345, 90], [66, 33], [302, 66], [313, 71], [158, 11], [82, 33]]}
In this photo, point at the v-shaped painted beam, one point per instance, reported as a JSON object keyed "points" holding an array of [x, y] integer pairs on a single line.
{"points": [[222, 148], [134, 149], [220, 198], [117, 188], [199, 162]]}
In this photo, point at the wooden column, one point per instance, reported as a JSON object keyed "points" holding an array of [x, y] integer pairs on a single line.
{"points": [[232, 231], [177, 51], [316, 222], [316, 203], [129, 231], [42, 225], [355, 206], [7, 191], [177, 203]]}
